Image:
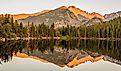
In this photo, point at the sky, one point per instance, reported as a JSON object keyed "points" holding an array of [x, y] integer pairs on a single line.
{"points": [[33, 6]]}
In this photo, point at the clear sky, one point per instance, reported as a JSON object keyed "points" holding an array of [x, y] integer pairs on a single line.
{"points": [[32, 6]]}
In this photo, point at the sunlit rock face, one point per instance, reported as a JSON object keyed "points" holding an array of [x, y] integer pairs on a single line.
{"points": [[22, 16], [77, 12]]}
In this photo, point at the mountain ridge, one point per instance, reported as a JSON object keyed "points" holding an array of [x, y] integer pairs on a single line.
{"points": [[73, 9], [77, 11], [71, 15], [23, 15]]}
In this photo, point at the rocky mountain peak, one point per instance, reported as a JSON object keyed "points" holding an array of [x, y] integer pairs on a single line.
{"points": [[62, 8], [77, 12]]}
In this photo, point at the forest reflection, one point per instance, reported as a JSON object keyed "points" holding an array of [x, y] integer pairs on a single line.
{"points": [[51, 49]]}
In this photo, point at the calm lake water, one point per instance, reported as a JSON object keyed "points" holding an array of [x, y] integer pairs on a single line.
{"points": [[60, 55]]}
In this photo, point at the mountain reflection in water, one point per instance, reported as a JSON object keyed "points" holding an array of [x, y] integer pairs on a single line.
{"points": [[62, 53], [28, 64]]}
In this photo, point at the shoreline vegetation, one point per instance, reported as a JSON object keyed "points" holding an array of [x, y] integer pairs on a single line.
{"points": [[58, 38], [11, 29]]}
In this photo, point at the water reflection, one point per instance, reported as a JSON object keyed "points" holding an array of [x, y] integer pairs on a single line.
{"points": [[28, 64], [61, 52]]}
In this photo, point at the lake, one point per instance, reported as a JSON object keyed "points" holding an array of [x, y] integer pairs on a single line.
{"points": [[60, 55]]}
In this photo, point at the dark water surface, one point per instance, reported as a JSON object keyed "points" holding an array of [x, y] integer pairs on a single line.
{"points": [[53, 55]]}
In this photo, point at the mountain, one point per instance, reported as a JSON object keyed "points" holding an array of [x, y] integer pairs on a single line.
{"points": [[60, 16], [64, 16], [112, 15], [21, 16]]}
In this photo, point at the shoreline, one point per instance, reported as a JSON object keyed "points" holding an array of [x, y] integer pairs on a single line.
{"points": [[58, 38]]}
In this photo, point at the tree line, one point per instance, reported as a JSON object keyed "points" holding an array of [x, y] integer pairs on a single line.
{"points": [[12, 29]]}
